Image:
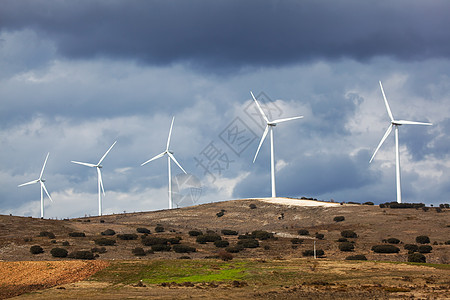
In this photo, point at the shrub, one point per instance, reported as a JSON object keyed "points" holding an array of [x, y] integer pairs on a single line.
{"points": [[143, 230], [225, 256], [262, 235], [127, 236], [159, 228], [66, 243], [349, 234], [150, 241], [295, 241], [102, 221], [356, 257], [320, 236], [229, 232], [368, 203], [346, 246], [175, 240], [411, 248], [105, 242], [195, 233], [393, 241], [385, 249], [319, 253], [205, 238], [108, 232], [422, 239], [36, 249], [184, 257], [220, 214], [303, 232], [447, 242], [59, 252], [234, 249], [138, 251], [77, 234], [248, 243], [342, 240], [425, 249], [339, 219], [417, 257], [81, 254], [221, 243], [252, 206], [48, 234], [183, 249], [98, 250], [161, 247]]}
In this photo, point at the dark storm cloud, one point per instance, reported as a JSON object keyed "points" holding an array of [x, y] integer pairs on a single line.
{"points": [[234, 34]]}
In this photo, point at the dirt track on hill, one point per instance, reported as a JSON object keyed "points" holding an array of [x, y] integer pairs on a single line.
{"points": [[26, 276]]}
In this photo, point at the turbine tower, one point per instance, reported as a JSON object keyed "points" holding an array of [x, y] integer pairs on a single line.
{"points": [[98, 166], [43, 188], [395, 124], [169, 157], [269, 127]]}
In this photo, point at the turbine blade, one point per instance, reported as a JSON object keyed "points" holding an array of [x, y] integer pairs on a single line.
{"points": [[103, 157], [387, 104], [261, 142], [388, 131], [43, 167], [286, 119], [156, 157], [83, 164], [260, 109], [174, 159], [45, 189], [100, 179], [403, 122], [28, 183], [170, 134]]}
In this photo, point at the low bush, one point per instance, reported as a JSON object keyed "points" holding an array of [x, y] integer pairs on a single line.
{"points": [[98, 250], [66, 243], [150, 241], [229, 232], [248, 243], [195, 233], [174, 241], [138, 251], [36, 249], [303, 232], [143, 230], [159, 228], [59, 252], [320, 236], [105, 242], [393, 241], [411, 248], [395, 204], [417, 257], [349, 234], [319, 253], [48, 234], [161, 247], [184, 257], [346, 246], [252, 206], [234, 249], [183, 249], [127, 236], [296, 241], [205, 238], [385, 249], [339, 218], [82, 254], [220, 214], [225, 256], [356, 257], [262, 235], [425, 249], [422, 239], [368, 203], [108, 232], [342, 240], [447, 242], [221, 243], [77, 234]]}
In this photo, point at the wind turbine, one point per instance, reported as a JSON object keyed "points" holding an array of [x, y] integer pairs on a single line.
{"points": [[169, 157], [395, 124], [43, 188], [99, 175], [269, 127]]}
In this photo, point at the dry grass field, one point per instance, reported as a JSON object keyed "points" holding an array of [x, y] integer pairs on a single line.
{"points": [[274, 269]]}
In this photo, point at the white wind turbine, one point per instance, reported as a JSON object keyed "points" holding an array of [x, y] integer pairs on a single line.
{"points": [[269, 126], [169, 157], [43, 188], [396, 124], [99, 175]]}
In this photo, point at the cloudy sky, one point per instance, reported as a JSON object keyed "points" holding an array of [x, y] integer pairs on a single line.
{"points": [[75, 76]]}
